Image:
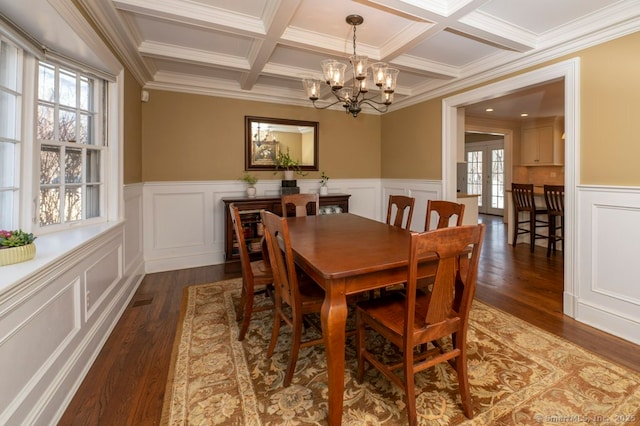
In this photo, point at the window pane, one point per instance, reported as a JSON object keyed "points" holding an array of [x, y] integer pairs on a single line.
{"points": [[45, 123], [73, 203], [67, 88], [46, 83], [93, 166], [49, 206], [6, 210], [8, 116], [67, 126], [49, 165], [7, 165], [8, 67], [85, 93], [73, 165], [85, 129], [93, 201]]}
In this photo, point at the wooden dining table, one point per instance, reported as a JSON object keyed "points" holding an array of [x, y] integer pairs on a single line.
{"points": [[348, 254]]}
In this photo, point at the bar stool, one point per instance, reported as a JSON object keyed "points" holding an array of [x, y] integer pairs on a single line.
{"points": [[554, 198], [524, 202]]}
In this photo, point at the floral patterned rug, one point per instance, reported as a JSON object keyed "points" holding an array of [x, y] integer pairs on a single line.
{"points": [[519, 375]]}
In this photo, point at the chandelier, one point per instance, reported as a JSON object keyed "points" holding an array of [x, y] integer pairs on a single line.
{"points": [[355, 96]]}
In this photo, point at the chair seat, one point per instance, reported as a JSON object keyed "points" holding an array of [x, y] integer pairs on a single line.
{"points": [[261, 272], [390, 311]]}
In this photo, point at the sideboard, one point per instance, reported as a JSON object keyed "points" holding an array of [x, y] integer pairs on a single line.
{"points": [[252, 226]]}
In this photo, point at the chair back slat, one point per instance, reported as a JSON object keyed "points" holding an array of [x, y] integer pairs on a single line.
{"points": [[402, 205], [554, 198], [301, 204], [243, 250], [522, 194], [458, 250], [281, 257], [444, 210]]}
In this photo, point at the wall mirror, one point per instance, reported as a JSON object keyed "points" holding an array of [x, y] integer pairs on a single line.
{"points": [[266, 137]]}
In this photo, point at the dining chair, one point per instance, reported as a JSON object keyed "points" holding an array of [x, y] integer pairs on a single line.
{"points": [[416, 320], [444, 210], [401, 204], [554, 199], [257, 277], [293, 289], [524, 202], [301, 204]]}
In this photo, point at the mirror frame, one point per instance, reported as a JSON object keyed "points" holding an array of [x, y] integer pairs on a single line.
{"points": [[248, 160]]}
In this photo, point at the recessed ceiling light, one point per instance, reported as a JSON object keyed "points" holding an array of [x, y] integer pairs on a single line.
{"points": [[524, 114], [489, 110]]}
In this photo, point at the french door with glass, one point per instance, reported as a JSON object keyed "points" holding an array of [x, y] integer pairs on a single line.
{"points": [[485, 175]]}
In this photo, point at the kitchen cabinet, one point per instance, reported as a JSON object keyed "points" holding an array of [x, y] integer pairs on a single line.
{"points": [[252, 225], [542, 143]]}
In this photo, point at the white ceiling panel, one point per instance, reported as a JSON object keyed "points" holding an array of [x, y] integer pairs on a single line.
{"points": [[198, 38], [453, 49], [543, 15], [257, 49]]}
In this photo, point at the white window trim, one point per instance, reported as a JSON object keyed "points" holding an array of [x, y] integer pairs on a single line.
{"points": [[52, 247]]}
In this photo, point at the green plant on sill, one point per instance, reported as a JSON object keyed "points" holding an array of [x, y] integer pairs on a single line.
{"points": [[15, 238], [324, 179], [285, 162], [250, 179]]}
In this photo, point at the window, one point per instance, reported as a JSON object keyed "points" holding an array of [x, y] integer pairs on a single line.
{"points": [[10, 136], [70, 132]]}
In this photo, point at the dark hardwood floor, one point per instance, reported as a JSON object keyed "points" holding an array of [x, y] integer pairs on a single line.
{"points": [[126, 384]]}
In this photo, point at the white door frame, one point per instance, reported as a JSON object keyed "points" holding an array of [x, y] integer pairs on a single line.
{"points": [[570, 71]]}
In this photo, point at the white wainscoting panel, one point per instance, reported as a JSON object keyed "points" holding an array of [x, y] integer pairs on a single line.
{"points": [[50, 331], [29, 341], [133, 243], [185, 221], [102, 276], [608, 291]]}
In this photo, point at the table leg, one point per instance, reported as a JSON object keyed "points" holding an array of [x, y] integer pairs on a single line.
{"points": [[334, 318]]}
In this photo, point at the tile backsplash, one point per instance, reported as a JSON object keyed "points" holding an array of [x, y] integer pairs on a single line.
{"points": [[539, 175]]}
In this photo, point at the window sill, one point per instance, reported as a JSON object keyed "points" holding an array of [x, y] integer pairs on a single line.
{"points": [[50, 249]]}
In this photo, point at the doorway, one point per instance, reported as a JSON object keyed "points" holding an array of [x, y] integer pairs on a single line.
{"points": [[569, 71], [485, 174]]}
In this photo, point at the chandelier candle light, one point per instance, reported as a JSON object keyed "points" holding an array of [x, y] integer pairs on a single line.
{"points": [[353, 97]]}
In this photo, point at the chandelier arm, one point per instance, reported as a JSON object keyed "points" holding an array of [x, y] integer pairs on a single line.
{"points": [[368, 102], [326, 106]]}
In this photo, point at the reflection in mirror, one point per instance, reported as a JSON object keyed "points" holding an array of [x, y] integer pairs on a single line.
{"points": [[266, 137]]}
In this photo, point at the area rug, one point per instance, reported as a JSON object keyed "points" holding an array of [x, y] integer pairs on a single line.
{"points": [[518, 374]]}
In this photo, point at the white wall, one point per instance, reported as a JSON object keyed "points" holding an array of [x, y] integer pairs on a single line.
{"points": [[54, 323], [184, 221], [608, 232]]}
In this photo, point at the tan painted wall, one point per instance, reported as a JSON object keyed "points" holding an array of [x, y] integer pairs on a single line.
{"points": [[412, 142], [609, 147], [194, 137], [610, 108], [132, 130]]}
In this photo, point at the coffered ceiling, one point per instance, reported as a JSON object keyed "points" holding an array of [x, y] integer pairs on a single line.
{"points": [[260, 49]]}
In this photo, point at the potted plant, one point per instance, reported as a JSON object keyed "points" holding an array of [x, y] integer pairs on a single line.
{"points": [[285, 162], [16, 246], [323, 184], [251, 181]]}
